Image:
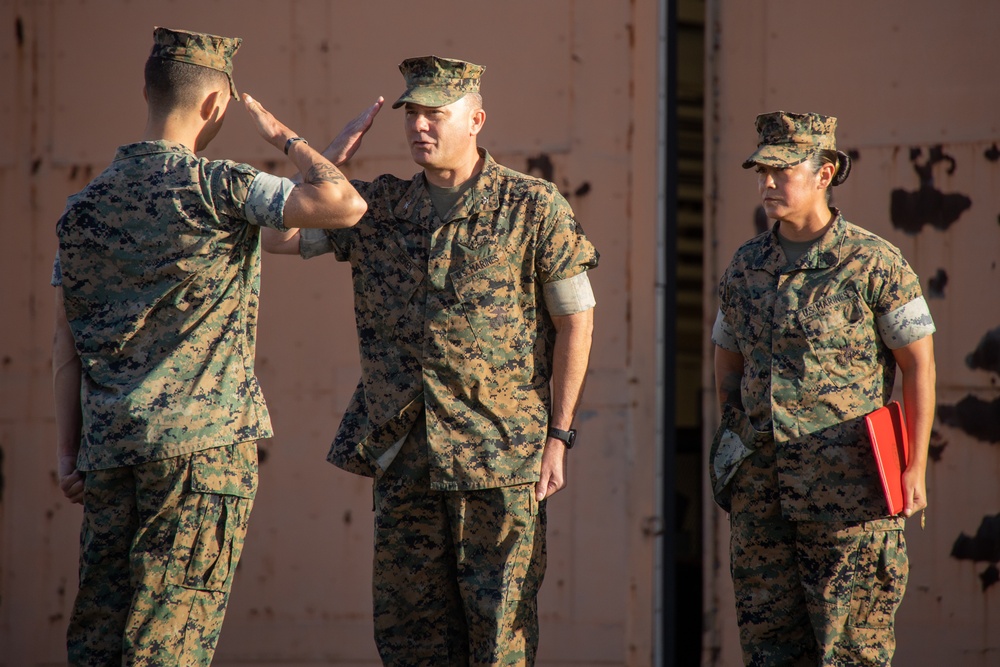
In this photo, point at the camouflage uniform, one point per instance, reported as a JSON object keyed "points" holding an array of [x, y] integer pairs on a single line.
{"points": [[159, 264], [818, 568], [456, 347]]}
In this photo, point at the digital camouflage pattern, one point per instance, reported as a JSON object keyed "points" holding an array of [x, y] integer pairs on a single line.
{"points": [[811, 592], [160, 545], [436, 82], [788, 139], [161, 274], [451, 319], [196, 48], [815, 363], [734, 441], [456, 573]]}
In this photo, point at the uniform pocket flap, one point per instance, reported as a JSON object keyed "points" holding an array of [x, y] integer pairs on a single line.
{"points": [[208, 478]]}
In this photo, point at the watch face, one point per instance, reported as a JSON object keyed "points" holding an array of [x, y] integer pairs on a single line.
{"points": [[568, 437]]}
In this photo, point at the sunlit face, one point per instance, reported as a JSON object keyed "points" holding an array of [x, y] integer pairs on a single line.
{"points": [[792, 193], [441, 137]]}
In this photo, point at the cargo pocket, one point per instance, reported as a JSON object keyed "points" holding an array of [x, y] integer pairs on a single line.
{"points": [[213, 520], [880, 577]]}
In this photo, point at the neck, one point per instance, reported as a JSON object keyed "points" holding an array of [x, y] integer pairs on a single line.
{"points": [[811, 227], [449, 178], [174, 128]]}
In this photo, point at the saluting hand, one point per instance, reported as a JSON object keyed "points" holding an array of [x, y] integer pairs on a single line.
{"points": [[347, 143], [274, 131]]}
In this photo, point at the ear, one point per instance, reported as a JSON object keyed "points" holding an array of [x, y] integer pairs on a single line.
{"points": [[210, 103], [145, 94], [478, 120], [826, 173]]}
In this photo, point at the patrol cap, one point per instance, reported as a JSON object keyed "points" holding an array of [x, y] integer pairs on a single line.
{"points": [[788, 139], [196, 48], [434, 82]]}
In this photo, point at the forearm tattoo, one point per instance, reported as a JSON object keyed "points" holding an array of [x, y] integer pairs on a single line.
{"points": [[324, 173]]}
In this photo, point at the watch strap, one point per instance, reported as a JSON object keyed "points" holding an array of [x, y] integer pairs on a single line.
{"points": [[569, 437]]}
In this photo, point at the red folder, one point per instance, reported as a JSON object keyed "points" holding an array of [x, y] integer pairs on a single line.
{"points": [[887, 433]]}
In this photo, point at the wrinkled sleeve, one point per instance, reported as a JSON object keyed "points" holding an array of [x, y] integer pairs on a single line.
{"points": [[902, 314], [723, 334], [563, 249], [569, 295], [906, 324], [56, 280], [316, 242], [265, 202]]}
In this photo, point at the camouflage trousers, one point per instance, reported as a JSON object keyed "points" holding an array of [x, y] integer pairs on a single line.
{"points": [[811, 593], [159, 545], [456, 573]]}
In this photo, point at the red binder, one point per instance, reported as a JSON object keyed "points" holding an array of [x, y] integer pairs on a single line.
{"points": [[887, 433]]}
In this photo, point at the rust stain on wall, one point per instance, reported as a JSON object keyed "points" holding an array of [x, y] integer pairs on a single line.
{"points": [[936, 447], [986, 356], [936, 285], [984, 546], [978, 417], [910, 211], [541, 165]]}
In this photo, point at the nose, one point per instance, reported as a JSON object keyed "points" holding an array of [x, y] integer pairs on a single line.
{"points": [[420, 123]]}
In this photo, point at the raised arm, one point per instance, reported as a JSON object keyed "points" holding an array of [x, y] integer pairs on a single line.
{"points": [[571, 356], [916, 362], [324, 198], [340, 150]]}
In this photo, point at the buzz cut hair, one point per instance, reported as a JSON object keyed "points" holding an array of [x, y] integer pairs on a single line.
{"points": [[172, 85]]}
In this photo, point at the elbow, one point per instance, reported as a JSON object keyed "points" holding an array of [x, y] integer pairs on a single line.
{"points": [[353, 209]]}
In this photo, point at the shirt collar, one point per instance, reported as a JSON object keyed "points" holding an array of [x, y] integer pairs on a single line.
{"points": [[823, 254], [482, 195], [143, 148]]}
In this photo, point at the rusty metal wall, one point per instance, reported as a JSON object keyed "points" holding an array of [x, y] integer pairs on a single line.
{"points": [[571, 94], [913, 83]]}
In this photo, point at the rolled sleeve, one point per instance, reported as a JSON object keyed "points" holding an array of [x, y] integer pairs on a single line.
{"points": [[906, 324], [723, 335], [265, 205], [569, 296], [314, 242], [56, 279]]}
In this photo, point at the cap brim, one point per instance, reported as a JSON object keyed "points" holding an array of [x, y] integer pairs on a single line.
{"points": [[781, 157], [427, 96]]}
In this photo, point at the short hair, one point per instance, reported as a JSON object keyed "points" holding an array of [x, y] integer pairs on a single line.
{"points": [[172, 85], [475, 101]]}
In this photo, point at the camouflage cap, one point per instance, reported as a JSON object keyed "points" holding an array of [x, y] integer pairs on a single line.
{"points": [[435, 82], [197, 48], [788, 139]]}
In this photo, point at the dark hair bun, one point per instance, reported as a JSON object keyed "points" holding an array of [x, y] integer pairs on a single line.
{"points": [[845, 168]]}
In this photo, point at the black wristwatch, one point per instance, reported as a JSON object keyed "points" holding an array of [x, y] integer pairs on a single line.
{"points": [[569, 437]]}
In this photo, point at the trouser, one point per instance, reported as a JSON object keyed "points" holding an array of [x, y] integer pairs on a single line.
{"points": [[456, 573], [159, 545], [811, 593]]}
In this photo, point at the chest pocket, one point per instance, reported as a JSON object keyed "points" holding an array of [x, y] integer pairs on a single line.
{"points": [[385, 286], [841, 334], [488, 295]]}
